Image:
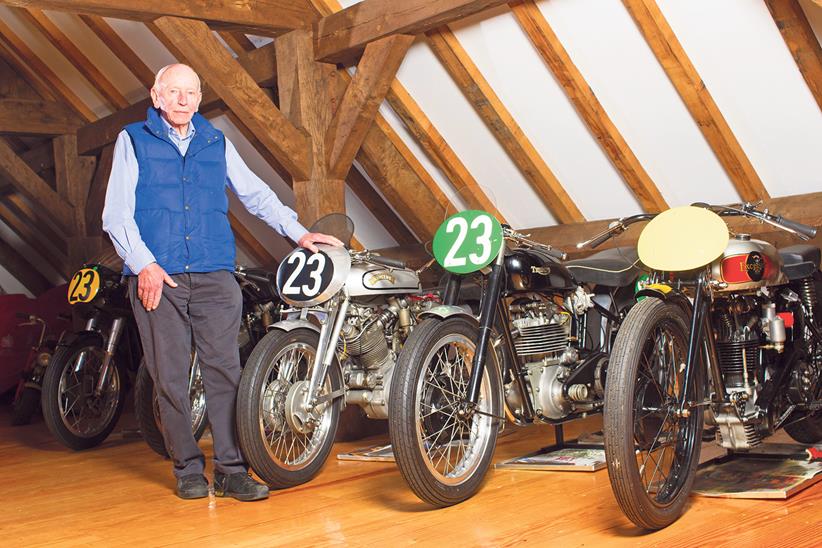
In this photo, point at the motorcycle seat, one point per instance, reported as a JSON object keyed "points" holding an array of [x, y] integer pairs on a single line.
{"points": [[612, 267], [800, 261]]}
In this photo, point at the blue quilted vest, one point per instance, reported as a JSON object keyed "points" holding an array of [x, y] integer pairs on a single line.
{"points": [[181, 207]]}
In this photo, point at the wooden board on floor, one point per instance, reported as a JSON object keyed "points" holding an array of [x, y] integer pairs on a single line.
{"points": [[121, 493]]}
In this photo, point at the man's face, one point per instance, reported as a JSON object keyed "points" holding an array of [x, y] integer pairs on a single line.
{"points": [[178, 95]]}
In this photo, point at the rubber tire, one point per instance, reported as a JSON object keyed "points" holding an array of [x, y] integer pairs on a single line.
{"points": [[806, 431], [49, 400], [402, 420], [248, 416], [618, 416], [144, 413], [25, 407]]}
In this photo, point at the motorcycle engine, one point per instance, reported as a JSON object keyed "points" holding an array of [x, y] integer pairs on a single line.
{"points": [[749, 332], [541, 330], [371, 338]]}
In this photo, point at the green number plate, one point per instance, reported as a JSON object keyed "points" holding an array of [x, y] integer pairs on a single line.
{"points": [[467, 241]]}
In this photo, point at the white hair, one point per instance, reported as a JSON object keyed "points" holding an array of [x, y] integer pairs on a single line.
{"points": [[158, 85]]}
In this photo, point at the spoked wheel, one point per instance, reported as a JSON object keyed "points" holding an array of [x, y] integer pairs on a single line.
{"points": [[75, 412], [147, 409], [809, 429], [443, 446], [285, 442], [651, 444]]}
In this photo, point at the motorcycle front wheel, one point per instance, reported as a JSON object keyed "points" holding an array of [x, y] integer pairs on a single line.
{"points": [[147, 410], [286, 443], [25, 406], [652, 449], [73, 410], [442, 446]]}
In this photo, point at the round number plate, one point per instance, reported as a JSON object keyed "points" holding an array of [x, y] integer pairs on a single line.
{"points": [[84, 286], [467, 241], [304, 277]]}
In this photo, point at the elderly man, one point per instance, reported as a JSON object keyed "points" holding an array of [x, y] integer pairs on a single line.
{"points": [[166, 213]]}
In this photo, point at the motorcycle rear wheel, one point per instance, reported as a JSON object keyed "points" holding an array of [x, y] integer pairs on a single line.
{"points": [[77, 417], [443, 456], [652, 453], [147, 412], [280, 447]]}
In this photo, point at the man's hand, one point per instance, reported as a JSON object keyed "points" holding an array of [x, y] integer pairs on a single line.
{"points": [[150, 285], [311, 238]]}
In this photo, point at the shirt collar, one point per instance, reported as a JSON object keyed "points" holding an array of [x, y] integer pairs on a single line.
{"points": [[172, 133]]}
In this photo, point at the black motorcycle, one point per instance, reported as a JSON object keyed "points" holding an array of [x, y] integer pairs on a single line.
{"points": [[86, 380], [536, 353], [261, 308]]}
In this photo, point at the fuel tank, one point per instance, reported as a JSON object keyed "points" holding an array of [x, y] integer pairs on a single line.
{"points": [[530, 271], [367, 279], [748, 264]]}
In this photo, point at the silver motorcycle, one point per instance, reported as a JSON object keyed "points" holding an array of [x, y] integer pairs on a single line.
{"points": [[351, 312]]}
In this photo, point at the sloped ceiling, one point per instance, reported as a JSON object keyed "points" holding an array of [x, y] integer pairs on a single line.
{"points": [[734, 45]]}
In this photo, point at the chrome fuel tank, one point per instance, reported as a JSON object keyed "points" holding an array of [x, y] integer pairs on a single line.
{"points": [[368, 279]]}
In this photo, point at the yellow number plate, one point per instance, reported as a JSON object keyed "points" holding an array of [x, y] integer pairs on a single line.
{"points": [[84, 286]]}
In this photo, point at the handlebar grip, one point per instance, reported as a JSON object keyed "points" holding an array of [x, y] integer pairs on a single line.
{"points": [[600, 240], [557, 253], [387, 261], [803, 229]]}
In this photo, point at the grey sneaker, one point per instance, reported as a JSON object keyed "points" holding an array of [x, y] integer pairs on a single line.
{"points": [[192, 486], [239, 485]]}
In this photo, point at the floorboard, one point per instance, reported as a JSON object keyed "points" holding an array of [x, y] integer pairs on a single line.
{"points": [[121, 494]]}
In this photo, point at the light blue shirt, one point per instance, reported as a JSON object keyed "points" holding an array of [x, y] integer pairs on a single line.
{"points": [[118, 212]]}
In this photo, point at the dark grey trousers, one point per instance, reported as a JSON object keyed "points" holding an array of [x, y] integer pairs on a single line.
{"points": [[208, 307]]}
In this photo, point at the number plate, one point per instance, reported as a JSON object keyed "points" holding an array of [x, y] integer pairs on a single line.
{"points": [[467, 241], [84, 286], [303, 277]]}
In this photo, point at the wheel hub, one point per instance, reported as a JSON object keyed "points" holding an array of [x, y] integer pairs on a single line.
{"points": [[299, 416]]}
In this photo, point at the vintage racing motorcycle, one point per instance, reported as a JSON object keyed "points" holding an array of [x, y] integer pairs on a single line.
{"points": [[350, 314], [536, 353], [85, 383], [261, 308], [730, 333]]}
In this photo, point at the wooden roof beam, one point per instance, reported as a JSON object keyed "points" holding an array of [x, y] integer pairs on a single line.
{"points": [[19, 267], [361, 100], [19, 48], [26, 72], [27, 229], [342, 36], [587, 105], [28, 117], [801, 41], [30, 185], [77, 58], [502, 124], [685, 78], [119, 48], [427, 136], [266, 17]]}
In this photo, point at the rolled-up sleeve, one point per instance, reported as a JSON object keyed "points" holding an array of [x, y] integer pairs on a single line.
{"points": [[258, 198], [118, 212]]}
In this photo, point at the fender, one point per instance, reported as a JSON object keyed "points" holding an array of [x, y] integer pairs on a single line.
{"points": [[669, 294], [445, 311], [291, 325], [70, 338]]}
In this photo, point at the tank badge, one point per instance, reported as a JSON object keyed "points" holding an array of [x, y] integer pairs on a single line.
{"points": [[755, 266], [541, 270], [381, 277]]}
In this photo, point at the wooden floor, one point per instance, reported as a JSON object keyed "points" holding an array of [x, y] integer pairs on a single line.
{"points": [[121, 494]]}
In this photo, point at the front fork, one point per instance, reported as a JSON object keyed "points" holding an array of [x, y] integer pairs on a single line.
{"points": [[488, 316], [701, 340], [115, 332], [329, 334]]}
